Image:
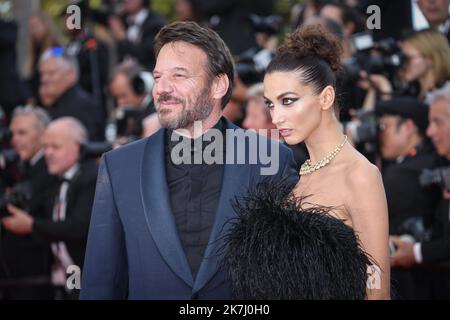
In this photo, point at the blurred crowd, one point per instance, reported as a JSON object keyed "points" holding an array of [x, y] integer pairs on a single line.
{"points": [[87, 90]]}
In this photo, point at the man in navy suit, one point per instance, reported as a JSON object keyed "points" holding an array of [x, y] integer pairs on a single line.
{"points": [[157, 222]]}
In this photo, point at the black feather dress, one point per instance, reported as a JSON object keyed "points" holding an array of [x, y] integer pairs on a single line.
{"points": [[275, 249]]}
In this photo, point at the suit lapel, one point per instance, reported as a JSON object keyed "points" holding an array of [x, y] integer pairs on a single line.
{"points": [[155, 199]]}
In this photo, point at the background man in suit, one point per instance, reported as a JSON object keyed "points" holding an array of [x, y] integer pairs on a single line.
{"points": [[403, 123], [132, 97], [157, 223], [135, 31], [66, 223], [23, 259], [437, 15], [64, 97], [434, 252]]}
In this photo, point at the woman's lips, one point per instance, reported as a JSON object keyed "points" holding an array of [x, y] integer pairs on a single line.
{"points": [[285, 132]]}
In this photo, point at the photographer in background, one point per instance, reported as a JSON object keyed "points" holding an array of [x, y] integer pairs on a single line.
{"points": [[91, 54], [65, 223], [25, 260], [251, 65], [131, 89], [230, 19], [403, 122], [135, 31], [437, 15], [434, 252], [348, 18], [63, 96], [424, 66], [427, 53], [12, 89]]}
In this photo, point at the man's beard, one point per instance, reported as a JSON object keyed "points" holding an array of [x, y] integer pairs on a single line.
{"points": [[191, 111]]}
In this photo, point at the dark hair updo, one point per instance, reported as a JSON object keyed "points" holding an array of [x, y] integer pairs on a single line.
{"points": [[314, 52]]}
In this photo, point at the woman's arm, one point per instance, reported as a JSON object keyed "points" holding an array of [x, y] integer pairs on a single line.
{"points": [[368, 209]]}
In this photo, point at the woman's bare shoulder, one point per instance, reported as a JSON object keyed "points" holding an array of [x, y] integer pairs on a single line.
{"points": [[362, 176]]}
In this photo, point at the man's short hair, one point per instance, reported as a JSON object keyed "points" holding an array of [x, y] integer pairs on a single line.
{"points": [[129, 68], [74, 126], [220, 60], [442, 93], [43, 119], [67, 61], [256, 91]]}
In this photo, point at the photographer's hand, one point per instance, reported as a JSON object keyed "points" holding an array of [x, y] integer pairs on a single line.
{"points": [[404, 255], [20, 222]]}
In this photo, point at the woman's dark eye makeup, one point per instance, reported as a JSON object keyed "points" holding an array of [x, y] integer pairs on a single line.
{"points": [[285, 101], [288, 100]]}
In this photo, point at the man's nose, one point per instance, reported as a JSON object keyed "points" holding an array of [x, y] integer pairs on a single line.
{"points": [[162, 85]]}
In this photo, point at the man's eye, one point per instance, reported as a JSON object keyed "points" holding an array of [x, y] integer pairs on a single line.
{"points": [[179, 76], [288, 101]]}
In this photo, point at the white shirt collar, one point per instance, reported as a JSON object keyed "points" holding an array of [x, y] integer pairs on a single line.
{"points": [[37, 157], [138, 18], [70, 173], [444, 27]]}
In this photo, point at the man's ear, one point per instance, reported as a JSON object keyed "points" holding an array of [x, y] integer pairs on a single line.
{"points": [[326, 97], [220, 86], [71, 75]]}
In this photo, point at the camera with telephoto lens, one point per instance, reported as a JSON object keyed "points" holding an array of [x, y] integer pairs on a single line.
{"points": [[439, 176], [364, 132], [270, 25], [382, 57], [129, 122], [19, 196], [251, 64]]}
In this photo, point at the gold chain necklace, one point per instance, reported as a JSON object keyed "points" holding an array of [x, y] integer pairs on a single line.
{"points": [[308, 167]]}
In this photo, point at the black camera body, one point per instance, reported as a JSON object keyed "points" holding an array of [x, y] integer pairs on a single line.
{"points": [[128, 121], [19, 196], [270, 25], [365, 132], [439, 176], [251, 64], [8, 157], [381, 57]]}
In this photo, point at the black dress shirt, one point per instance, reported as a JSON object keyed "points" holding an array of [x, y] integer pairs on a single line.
{"points": [[194, 196]]}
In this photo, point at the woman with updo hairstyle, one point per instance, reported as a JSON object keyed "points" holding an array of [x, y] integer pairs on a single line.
{"points": [[327, 238]]}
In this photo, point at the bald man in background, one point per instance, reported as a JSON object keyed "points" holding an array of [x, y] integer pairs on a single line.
{"points": [[67, 215]]}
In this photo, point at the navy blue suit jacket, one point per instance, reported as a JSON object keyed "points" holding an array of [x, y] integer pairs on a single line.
{"points": [[133, 249]]}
